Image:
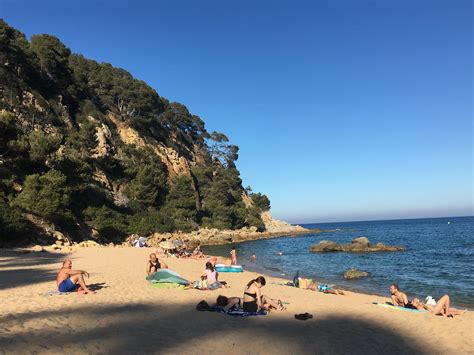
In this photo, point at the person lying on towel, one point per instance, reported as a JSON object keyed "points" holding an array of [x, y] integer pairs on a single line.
{"points": [[442, 307], [153, 264], [69, 280], [228, 302]]}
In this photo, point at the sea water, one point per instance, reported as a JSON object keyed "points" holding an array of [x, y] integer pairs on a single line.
{"points": [[439, 258]]}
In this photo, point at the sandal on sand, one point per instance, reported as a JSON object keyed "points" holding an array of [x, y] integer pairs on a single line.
{"points": [[281, 306], [303, 316]]}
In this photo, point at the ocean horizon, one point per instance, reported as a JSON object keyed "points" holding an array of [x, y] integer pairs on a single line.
{"points": [[373, 220]]}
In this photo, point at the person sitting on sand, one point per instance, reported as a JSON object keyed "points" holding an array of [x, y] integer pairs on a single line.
{"points": [[398, 298], [233, 256], [69, 280], [197, 253], [254, 301], [228, 302], [153, 264], [440, 309], [211, 275]]}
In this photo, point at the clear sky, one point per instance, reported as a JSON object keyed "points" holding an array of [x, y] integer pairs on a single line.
{"points": [[343, 110]]}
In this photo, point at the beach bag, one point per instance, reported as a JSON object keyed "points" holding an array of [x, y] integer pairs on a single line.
{"points": [[203, 306], [304, 283]]}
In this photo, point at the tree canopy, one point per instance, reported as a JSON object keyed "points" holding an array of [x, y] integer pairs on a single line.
{"points": [[64, 160]]}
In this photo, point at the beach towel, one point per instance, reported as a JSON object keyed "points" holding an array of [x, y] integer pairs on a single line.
{"points": [[399, 308], [237, 312], [229, 268], [167, 276]]}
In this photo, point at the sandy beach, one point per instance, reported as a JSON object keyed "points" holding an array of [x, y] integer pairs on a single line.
{"points": [[127, 315]]}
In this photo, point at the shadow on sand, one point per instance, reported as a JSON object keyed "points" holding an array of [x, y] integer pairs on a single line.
{"points": [[173, 328], [18, 268], [97, 286]]}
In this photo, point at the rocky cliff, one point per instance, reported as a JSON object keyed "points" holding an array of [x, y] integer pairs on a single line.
{"points": [[89, 152]]}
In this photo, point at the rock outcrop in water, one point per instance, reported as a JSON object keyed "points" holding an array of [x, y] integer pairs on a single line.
{"points": [[353, 274], [358, 245]]}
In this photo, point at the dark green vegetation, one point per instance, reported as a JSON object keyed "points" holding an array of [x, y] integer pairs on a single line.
{"points": [[88, 148]]}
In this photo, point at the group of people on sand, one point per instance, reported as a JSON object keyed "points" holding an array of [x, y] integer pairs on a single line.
{"points": [[69, 280], [253, 299], [182, 252], [208, 280], [441, 308]]}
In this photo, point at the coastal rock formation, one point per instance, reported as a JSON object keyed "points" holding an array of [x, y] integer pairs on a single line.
{"points": [[353, 273], [213, 236], [175, 164], [277, 226], [361, 241], [103, 136], [358, 245]]}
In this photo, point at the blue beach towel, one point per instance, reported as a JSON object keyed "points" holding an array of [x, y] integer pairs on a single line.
{"points": [[229, 268], [237, 312]]}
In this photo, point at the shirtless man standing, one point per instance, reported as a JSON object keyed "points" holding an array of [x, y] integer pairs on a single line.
{"points": [[398, 297], [68, 279]]}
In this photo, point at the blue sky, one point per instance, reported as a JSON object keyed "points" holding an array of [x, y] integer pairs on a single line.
{"points": [[343, 110]]}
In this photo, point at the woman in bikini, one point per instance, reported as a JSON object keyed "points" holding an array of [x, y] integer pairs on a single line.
{"points": [[440, 309], [254, 301], [153, 264]]}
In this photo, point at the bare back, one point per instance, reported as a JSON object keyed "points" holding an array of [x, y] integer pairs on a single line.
{"points": [[63, 274]]}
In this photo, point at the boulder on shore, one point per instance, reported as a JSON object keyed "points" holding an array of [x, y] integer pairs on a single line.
{"points": [[87, 244], [358, 245], [353, 273]]}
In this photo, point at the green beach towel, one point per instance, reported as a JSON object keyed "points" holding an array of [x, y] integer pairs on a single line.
{"points": [[167, 276]]}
